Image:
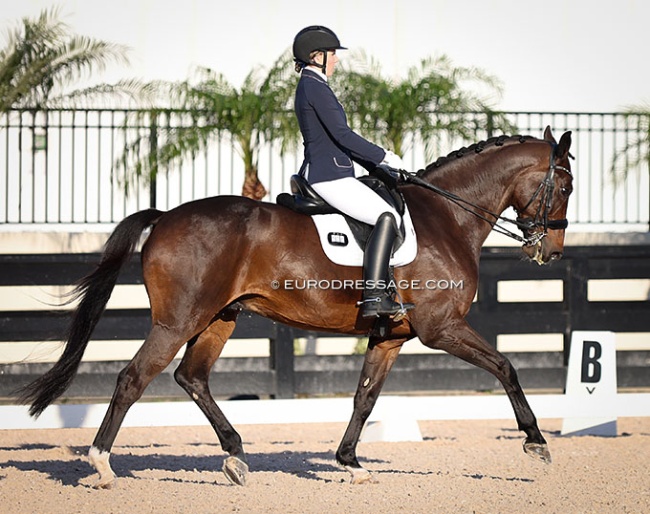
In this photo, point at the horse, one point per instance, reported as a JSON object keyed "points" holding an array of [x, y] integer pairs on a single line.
{"points": [[205, 261]]}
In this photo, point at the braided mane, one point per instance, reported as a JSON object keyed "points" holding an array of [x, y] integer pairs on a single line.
{"points": [[473, 149]]}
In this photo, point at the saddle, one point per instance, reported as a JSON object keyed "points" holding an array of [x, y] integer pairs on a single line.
{"points": [[305, 200]]}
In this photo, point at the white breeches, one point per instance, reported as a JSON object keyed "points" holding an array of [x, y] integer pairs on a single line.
{"points": [[355, 199]]}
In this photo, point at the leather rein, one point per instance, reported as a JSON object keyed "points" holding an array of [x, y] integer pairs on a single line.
{"points": [[526, 224]]}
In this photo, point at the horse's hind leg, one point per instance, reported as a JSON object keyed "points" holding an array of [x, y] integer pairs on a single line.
{"points": [[378, 361], [192, 375], [463, 342], [156, 353]]}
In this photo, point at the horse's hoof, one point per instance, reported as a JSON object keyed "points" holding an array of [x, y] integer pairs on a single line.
{"points": [[538, 452], [360, 476], [105, 483], [235, 470], [99, 460]]}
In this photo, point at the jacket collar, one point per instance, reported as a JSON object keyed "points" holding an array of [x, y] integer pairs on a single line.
{"points": [[315, 73]]}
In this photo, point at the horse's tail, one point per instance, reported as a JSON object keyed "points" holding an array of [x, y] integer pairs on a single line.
{"points": [[94, 291]]}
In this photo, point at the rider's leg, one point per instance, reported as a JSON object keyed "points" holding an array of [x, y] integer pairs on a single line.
{"points": [[360, 202], [376, 299], [355, 199]]}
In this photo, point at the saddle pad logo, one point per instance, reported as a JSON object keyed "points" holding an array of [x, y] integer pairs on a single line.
{"points": [[337, 239], [341, 247]]}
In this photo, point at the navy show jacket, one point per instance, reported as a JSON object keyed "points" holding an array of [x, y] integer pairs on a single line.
{"points": [[330, 144]]}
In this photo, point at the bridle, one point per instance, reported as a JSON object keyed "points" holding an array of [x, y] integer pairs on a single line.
{"points": [[526, 224], [545, 192]]}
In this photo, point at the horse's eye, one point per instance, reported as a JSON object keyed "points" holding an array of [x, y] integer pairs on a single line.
{"points": [[566, 191]]}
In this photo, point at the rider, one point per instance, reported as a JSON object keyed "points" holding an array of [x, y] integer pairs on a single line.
{"points": [[330, 149]]}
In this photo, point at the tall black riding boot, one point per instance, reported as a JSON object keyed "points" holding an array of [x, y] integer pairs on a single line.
{"points": [[376, 299]]}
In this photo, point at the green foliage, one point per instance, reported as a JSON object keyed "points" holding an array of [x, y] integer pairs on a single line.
{"points": [[43, 64], [435, 97], [41, 60], [255, 114]]}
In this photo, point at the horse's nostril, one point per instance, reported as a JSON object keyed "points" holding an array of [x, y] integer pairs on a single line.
{"points": [[556, 256]]}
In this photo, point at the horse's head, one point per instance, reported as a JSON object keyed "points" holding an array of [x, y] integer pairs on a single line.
{"points": [[541, 199]]}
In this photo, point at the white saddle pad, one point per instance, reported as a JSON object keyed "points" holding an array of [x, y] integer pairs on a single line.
{"points": [[341, 247]]}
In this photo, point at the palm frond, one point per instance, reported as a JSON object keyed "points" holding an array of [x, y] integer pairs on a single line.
{"points": [[42, 60], [391, 111], [252, 115]]}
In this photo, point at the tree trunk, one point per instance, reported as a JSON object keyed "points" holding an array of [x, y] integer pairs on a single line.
{"points": [[252, 187]]}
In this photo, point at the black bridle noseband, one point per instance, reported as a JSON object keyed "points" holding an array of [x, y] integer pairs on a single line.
{"points": [[544, 191]]}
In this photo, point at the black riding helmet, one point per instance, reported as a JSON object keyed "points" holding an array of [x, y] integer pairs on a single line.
{"points": [[311, 39]]}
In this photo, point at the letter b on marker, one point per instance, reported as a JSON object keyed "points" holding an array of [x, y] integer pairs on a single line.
{"points": [[592, 351], [591, 398]]}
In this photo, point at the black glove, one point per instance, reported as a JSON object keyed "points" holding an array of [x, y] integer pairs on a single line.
{"points": [[389, 176]]}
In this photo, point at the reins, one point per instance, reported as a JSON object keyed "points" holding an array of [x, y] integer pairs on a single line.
{"points": [[479, 212], [545, 188]]}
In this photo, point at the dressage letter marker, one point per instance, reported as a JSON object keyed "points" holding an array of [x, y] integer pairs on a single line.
{"points": [[591, 385]]}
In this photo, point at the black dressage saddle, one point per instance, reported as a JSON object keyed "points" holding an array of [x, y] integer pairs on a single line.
{"points": [[305, 200]]}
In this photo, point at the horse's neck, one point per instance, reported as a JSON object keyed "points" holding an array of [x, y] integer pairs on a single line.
{"points": [[483, 180]]}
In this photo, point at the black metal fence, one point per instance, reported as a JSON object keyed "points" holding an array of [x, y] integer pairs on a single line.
{"points": [[284, 374], [68, 166]]}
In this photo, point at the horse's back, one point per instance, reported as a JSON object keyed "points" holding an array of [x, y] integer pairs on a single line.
{"points": [[222, 232], [218, 216]]}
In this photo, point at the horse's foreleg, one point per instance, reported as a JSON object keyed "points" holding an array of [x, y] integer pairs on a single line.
{"points": [[193, 374], [379, 359], [463, 342], [156, 353]]}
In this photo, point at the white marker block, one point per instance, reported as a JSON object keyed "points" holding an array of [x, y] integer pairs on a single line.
{"points": [[591, 385]]}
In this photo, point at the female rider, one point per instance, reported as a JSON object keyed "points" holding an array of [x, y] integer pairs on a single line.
{"points": [[330, 149]]}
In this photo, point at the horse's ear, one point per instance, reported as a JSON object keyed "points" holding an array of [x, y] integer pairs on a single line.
{"points": [[563, 146], [548, 135]]}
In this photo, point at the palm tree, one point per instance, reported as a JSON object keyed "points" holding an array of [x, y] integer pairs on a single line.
{"points": [[435, 97], [42, 61], [261, 111], [255, 114]]}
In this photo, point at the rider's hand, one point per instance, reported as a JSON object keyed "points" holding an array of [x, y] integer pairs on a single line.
{"points": [[393, 160], [388, 175]]}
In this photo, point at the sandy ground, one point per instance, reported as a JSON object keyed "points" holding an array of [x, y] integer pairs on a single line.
{"points": [[461, 466]]}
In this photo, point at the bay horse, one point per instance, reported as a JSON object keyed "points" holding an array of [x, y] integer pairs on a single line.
{"points": [[205, 261]]}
